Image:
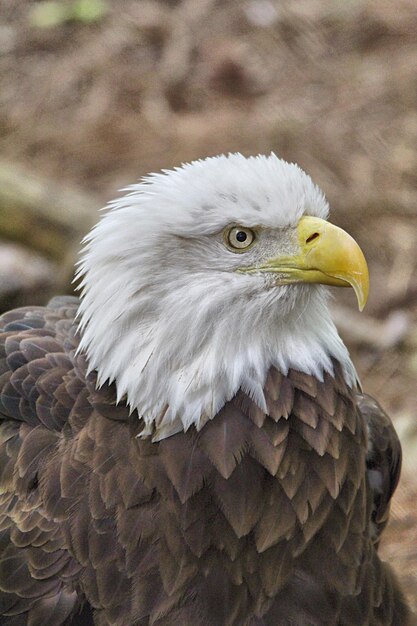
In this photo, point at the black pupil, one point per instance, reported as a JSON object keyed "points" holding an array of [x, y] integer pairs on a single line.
{"points": [[241, 236]]}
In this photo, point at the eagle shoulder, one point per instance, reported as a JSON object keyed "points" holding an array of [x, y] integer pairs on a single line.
{"points": [[36, 396], [383, 460]]}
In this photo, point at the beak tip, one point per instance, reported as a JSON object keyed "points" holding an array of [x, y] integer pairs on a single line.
{"points": [[361, 290], [362, 300]]}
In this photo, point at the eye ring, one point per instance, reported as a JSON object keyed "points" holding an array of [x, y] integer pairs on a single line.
{"points": [[239, 238]]}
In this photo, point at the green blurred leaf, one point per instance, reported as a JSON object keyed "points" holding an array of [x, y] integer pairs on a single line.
{"points": [[48, 14], [88, 10], [52, 13]]}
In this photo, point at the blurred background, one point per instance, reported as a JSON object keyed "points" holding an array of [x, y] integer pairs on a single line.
{"points": [[96, 93]]}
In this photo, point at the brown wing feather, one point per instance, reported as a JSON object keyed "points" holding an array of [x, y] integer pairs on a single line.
{"points": [[383, 460], [36, 570]]}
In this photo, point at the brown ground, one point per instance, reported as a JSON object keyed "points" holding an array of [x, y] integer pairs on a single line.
{"points": [[331, 85]]}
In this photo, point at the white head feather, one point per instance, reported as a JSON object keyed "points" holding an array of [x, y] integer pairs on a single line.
{"points": [[165, 314]]}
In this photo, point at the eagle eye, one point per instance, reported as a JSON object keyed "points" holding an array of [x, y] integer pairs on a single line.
{"points": [[239, 238]]}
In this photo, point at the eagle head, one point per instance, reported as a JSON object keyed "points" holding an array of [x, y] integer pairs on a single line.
{"points": [[199, 279]]}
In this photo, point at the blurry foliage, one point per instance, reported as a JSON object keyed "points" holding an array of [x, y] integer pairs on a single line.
{"points": [[54, 13]]}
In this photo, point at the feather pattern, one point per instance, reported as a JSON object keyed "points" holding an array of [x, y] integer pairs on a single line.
{"points": [[223, 526]]}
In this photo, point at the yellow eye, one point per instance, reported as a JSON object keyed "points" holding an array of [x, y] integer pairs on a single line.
{"points": [[239, 238]]}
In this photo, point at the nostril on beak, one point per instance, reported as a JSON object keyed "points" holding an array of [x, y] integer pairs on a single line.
{"points": [[312, 237]]}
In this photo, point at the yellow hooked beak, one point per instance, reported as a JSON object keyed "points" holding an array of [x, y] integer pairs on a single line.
{"points": [[327, 255]]}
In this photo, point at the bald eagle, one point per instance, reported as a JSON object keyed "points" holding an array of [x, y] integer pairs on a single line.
{"points": [[187, 444]]}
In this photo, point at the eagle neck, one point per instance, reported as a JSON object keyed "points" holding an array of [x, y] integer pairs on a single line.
{"points": [[178, 364]]}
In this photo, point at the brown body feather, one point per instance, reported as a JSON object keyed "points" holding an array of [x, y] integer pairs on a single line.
{"points": [[256, 520]]}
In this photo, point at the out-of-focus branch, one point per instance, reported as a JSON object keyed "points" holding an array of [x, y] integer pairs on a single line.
{"points": [[26, 278], [47, 216], [407, 299], [358, 328]]}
